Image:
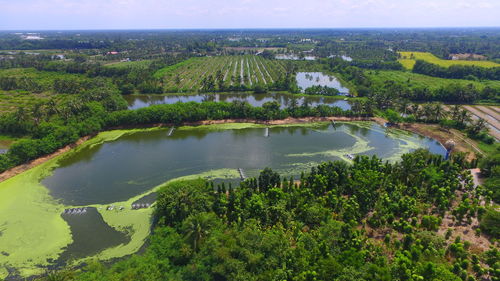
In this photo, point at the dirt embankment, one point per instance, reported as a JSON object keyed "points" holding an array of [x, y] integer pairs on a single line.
{"points": [[286, 121], [462, 144], [24, 167]]}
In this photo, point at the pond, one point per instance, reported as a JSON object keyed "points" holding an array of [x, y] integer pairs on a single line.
{"points": [[139, 101], [309, 79], [94, 189]]}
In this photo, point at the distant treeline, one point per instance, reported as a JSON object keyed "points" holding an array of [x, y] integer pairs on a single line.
{"points": [[378, 64], [457, 71]]}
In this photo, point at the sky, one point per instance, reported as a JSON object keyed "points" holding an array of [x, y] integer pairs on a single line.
{"points": [[175, 14]]}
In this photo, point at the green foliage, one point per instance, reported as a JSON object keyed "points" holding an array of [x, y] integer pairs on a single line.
{"points": [[490, 223], [277, 229]]}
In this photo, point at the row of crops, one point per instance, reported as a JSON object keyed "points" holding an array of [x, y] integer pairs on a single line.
{"points": [[223, 72]]}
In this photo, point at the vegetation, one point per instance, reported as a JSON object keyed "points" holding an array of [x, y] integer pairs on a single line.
{"points": [[226, 73], [339, 222], [408, 60], [82, 116], [457, 71], [415, 80], [417, 219]]}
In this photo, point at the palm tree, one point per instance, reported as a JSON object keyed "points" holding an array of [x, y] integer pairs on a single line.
{"points": [[428, 112], [439, 112], [197, 227], [464, 117], [402, 105], [455, 111], [414, 108], [38, 112], [478, 126], [368, 107], [356, 107], [59, 276]]}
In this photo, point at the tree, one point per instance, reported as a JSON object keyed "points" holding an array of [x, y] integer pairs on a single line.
{"points": [[197, 226], [267, 179], [477, 127]]}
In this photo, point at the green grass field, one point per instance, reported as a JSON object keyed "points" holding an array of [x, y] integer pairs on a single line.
{"points": [[248, 70], [419, 80], [130, 64], [408, 61]]}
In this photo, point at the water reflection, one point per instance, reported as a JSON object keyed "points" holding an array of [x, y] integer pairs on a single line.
{"points": [[285, 100], [309, 79]]}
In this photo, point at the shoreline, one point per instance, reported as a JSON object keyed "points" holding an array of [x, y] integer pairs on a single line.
{"points": [[27, 166], [442, 136]]}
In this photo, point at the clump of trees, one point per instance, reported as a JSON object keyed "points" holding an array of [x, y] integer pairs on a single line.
{"points": [[457, 71], [322, 91]]}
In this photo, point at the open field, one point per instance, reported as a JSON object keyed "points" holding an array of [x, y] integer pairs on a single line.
{"points": [[420, 80], [248, 70], [408, 61]]}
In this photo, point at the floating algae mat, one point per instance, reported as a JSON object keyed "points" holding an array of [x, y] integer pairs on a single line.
{"points": [[42, 222]]}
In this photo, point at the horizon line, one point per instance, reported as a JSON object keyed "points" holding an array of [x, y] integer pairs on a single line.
{"points": [[254, 28]]}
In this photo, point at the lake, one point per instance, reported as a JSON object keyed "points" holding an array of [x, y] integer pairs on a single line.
{"points": [[133, 164]]}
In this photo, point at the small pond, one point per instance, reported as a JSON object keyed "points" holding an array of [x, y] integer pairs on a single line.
{"points": [[309, 79]]}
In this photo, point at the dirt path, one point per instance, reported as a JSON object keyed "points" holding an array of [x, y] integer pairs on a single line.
{"points": [[476, 176]]}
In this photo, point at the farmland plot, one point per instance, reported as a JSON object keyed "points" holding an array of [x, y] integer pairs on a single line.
{"points": [[198, 74]]}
